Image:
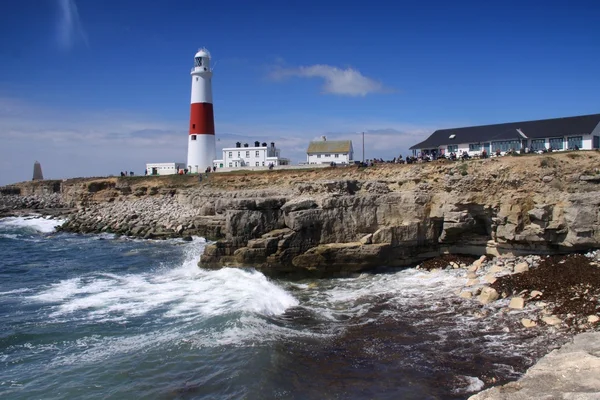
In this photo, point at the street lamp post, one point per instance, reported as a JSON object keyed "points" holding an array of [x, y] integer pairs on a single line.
{"points": [[363, 147]]}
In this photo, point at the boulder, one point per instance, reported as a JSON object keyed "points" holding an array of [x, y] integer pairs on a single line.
{"points": [[552, 320], [488, 295], [528, 323], [517, 303], [521, 267]]}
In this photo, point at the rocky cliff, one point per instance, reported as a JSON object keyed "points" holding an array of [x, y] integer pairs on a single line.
{"points": [[346, 219]]}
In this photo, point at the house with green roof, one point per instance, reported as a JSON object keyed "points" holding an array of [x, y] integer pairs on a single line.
{"points": [[327, 151]]}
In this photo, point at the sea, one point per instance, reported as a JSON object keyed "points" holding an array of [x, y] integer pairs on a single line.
{"points": [[106, 317]]}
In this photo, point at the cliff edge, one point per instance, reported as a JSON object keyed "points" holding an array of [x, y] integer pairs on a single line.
{"points": [[347, 218]]}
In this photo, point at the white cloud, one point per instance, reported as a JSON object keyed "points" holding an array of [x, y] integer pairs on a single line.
{"points": [[344, 82], [70, 28]]}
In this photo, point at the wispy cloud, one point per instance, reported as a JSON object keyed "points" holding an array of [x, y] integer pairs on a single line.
{"points": [[70, 28], [99, 143], [339, 81]]}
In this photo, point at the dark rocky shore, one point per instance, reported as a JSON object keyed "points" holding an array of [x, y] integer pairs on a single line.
{"points": [[525, 230]]}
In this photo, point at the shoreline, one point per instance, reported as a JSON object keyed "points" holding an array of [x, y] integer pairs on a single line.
{"points": [[483, 276], [333, 222]]}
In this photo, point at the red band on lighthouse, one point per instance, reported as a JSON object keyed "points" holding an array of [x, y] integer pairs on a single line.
{"points": [[202, 120]]}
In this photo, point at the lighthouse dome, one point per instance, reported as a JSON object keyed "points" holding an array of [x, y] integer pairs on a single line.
{"points": [[202, 53]]}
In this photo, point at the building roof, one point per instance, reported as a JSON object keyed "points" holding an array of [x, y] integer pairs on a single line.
{"points": [[544, 128], [330, 146]]}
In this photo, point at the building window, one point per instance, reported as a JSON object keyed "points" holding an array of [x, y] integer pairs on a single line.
{"points": [[452, 148], [337, 156], [596, 142], [229, 165], [263, 163], [506, 145], [196, 79], [327, 155], [557, 143], [257, 163], [318, 156], [575, 142], [230, 155], [193, 137], [257, 153], [538, 144], [239, 154], [474, 146], [247, 154]]}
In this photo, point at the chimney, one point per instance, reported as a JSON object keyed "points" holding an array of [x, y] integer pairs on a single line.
{"points": [[273, 144], [238, 144], [264, 144], [245, 144], [256, 144]]}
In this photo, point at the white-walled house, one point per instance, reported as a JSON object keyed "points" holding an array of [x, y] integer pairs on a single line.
{"points": [[580, 132], [164, 168], [328, 151], [246, 156]]}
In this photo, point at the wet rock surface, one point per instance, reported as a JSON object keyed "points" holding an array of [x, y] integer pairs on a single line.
{"points": [[549, 296]]}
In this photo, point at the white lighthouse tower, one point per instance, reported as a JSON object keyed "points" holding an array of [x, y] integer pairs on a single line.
{"points": [[201, 139]]}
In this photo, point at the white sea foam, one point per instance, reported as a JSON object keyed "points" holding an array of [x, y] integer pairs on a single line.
{"points": [[473, 384], [183, 292], [15, 291], [38, 224]]}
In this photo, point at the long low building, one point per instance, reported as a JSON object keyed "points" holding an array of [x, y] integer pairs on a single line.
{"points": [[168, 168], [580, 132]]}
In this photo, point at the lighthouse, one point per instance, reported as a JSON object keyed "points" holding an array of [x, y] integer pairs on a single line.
{"points": [[201, 139]]}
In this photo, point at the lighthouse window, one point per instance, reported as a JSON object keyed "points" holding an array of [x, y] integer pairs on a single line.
{"points": [[196, 79], [198, 61], [193, 137], [193, 126]]}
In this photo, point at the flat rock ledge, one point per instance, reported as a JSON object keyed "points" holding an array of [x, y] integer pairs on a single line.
{"points": [[571, 372]]}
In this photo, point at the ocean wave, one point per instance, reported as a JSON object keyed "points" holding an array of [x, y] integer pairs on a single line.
{"points": [[36, 224], [173, 293]]}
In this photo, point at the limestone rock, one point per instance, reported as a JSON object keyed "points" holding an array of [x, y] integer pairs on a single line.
{"points": [[521, 267], [571, 372], [592, 319], [490, 278], [367, 239], [517, 303], [495, 269], [466, 294], [552, 320], [535, 294], [527, 323], [488, 295]]}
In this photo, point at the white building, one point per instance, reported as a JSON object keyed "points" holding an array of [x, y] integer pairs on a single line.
{"points": [[245, 156], [579, 132], [328, 151], [164, 168]]}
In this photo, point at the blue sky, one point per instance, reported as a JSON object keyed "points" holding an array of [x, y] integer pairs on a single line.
{"points": [[93, 87]]}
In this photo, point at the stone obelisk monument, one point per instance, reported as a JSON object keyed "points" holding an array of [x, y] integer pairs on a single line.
{"points": [[37, 172]]}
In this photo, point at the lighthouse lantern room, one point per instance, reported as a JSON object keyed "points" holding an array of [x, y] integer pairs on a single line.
{"points": [[201, 138]]}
